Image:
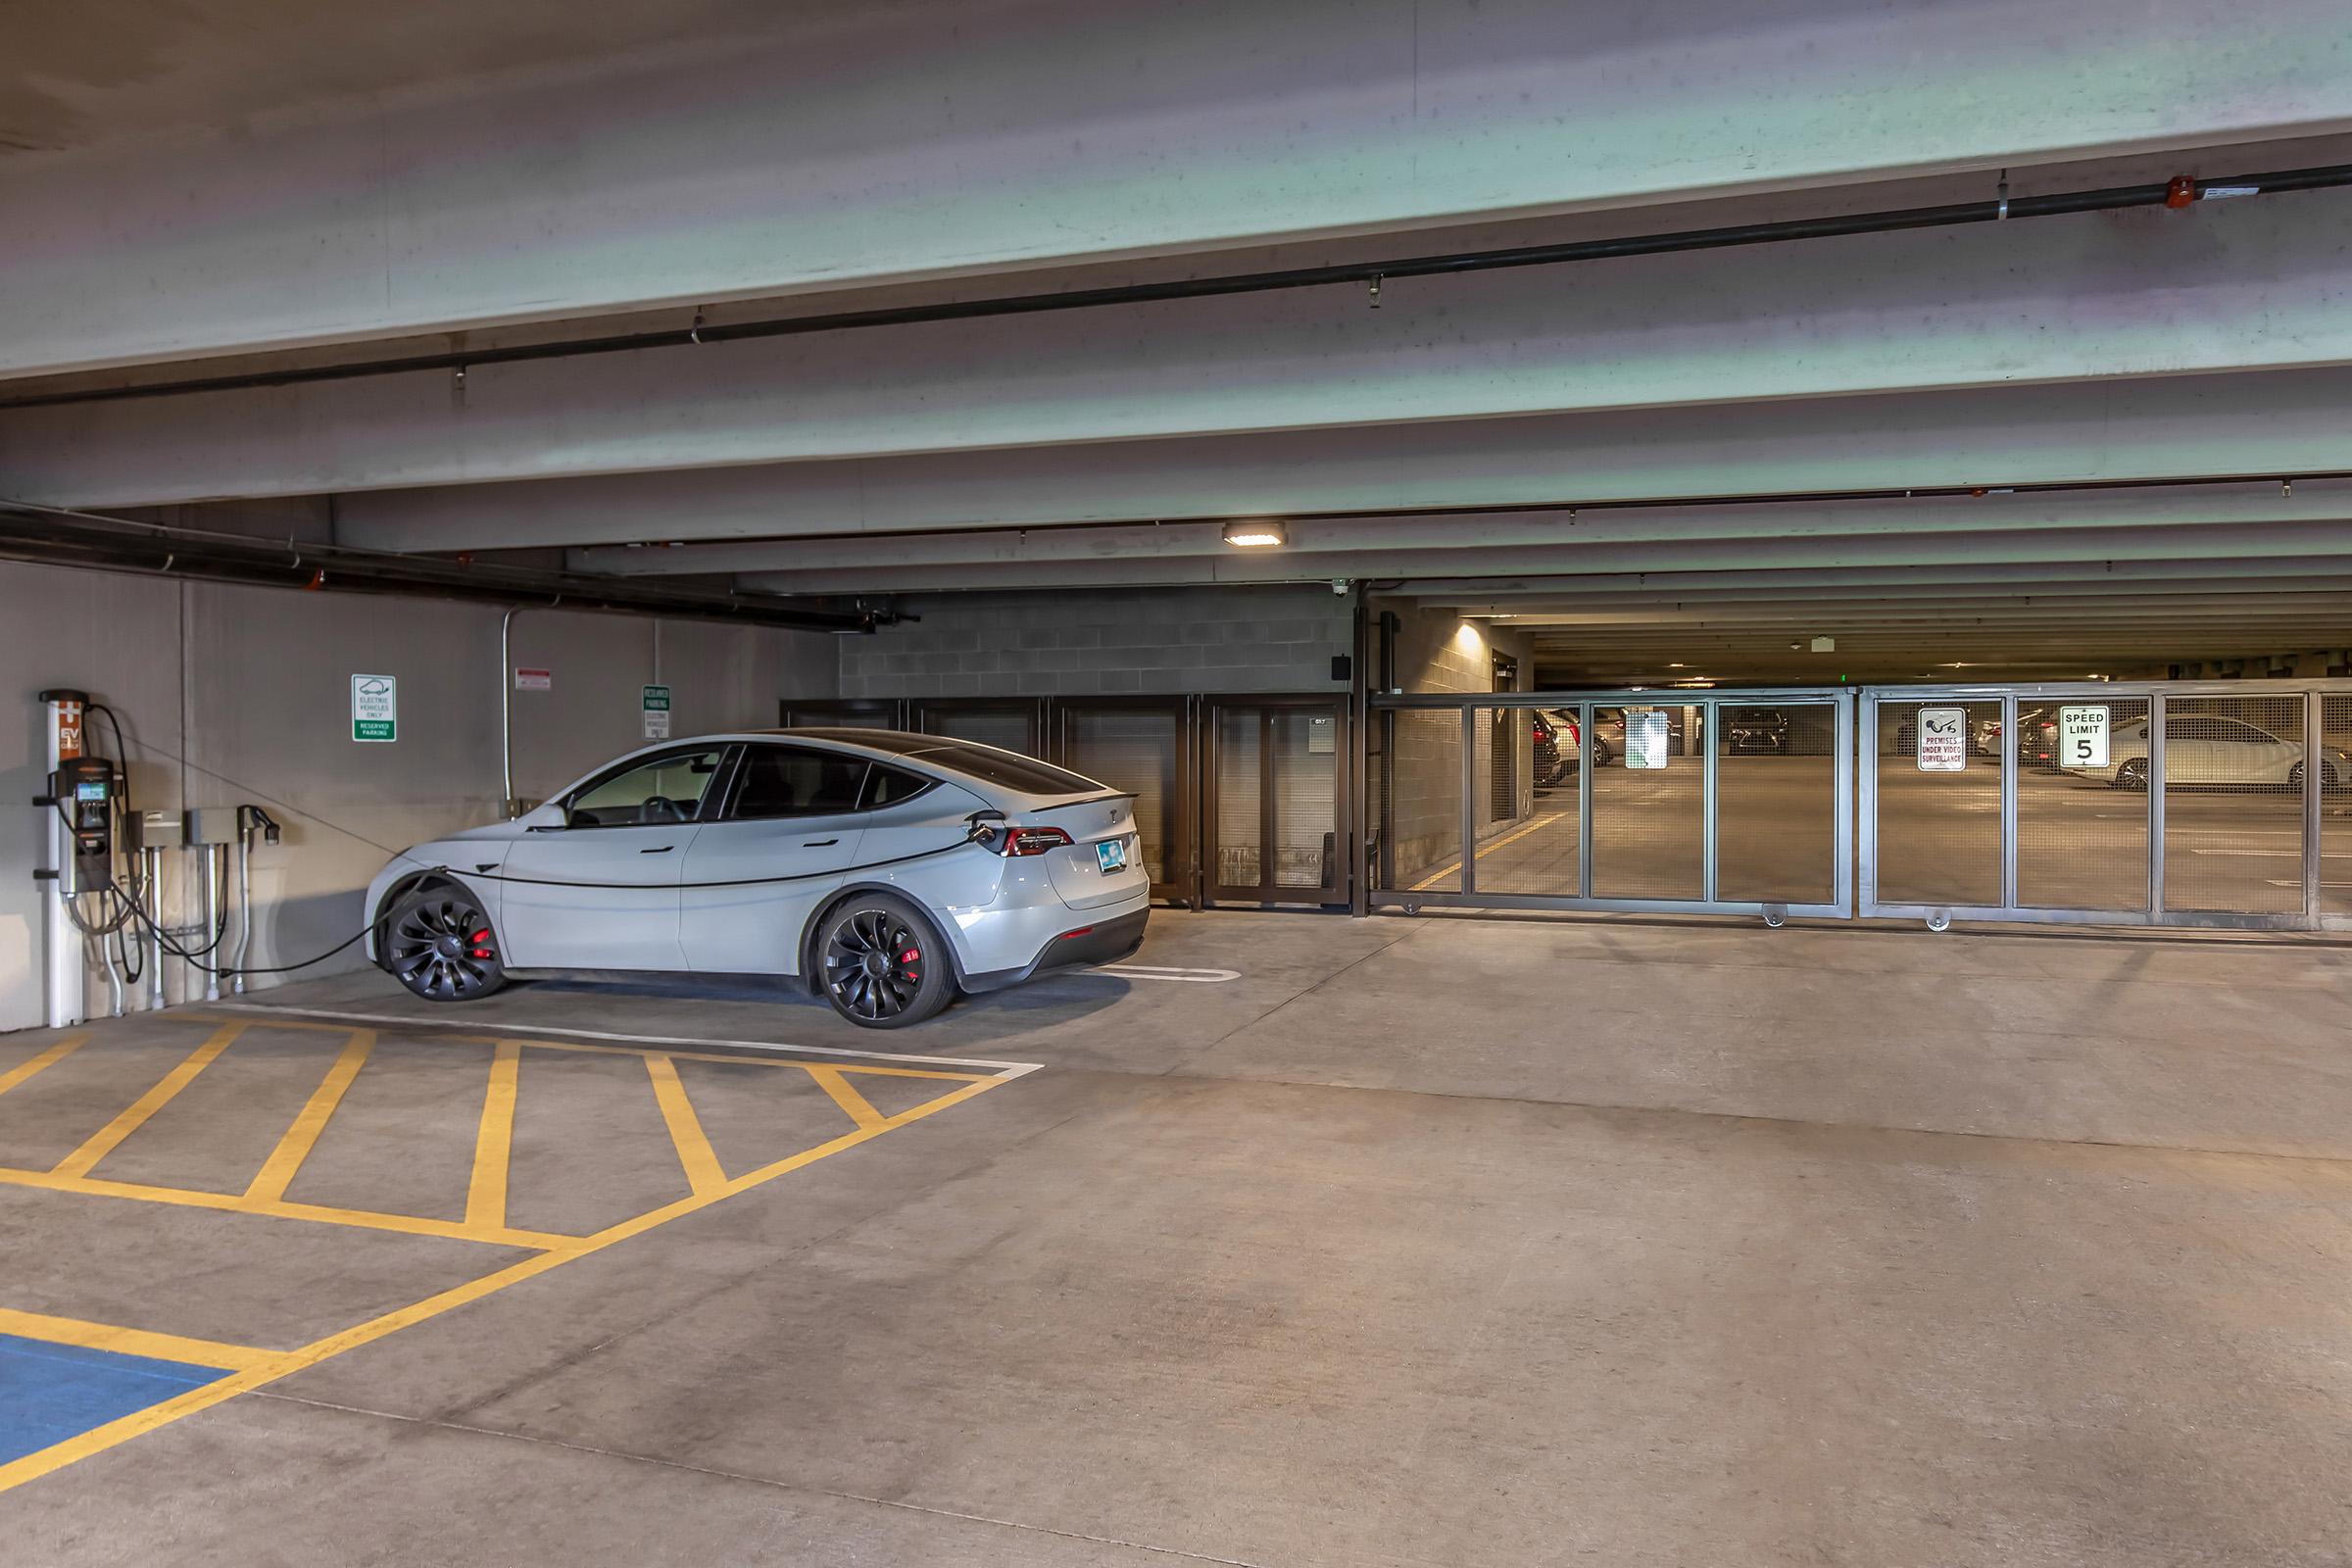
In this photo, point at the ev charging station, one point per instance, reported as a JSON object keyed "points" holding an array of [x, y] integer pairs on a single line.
{"points": [[104, 877]]}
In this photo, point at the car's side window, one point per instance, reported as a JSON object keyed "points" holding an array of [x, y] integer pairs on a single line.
{"points": [[661, 789], [794, 781], [888, 786]]}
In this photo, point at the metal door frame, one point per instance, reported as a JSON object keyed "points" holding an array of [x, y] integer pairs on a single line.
{"points": [[2156, 693], [843, 710], [1840, 700], [1339, 707], [1040, 726], [1181, 856]]}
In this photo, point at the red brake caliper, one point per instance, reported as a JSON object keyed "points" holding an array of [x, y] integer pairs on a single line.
{"points": [[910, 956], [482, 945]]}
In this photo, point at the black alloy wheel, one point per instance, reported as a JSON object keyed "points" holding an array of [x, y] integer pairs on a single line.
{"points": [[438, 943], [2133, 774], [881, 965]]}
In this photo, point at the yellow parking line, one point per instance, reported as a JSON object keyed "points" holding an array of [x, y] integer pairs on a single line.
{"points": [[861, 1109], [538, 1044], [277, 1171], [103, 1142], [48, 1058], [703, 1173], [1455, 865], [494, 1142], [320, 1214], [96, 1440], [133, 1341]]}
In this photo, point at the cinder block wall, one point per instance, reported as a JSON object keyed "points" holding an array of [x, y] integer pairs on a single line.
{"points": [[229, 695], [1441, 653], [1116, 642]]}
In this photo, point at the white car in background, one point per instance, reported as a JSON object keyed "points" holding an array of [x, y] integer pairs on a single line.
{"points": [[890, 871], [2213, 750]]}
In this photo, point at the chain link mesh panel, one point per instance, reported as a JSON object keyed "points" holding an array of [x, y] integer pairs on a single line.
{"points": [[1938, 833], [2233, 803], [1649, 803], [1527, 831], [1418, 802], [1776, 803], [2082, 829]]}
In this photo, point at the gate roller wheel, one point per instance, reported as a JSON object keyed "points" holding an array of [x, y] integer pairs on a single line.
{"points": [[1775, 916], [1940, 921]]}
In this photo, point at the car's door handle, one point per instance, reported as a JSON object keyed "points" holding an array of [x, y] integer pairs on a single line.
{"points": [[817, 844], [658, 849]]}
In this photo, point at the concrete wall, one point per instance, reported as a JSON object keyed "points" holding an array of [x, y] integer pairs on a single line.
{"points": [[1118, 642], [242, 694], [1437, 652]]}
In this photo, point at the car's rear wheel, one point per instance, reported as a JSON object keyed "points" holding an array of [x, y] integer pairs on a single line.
{"points": [[439, 944], [881, 964], [2133, 774]]}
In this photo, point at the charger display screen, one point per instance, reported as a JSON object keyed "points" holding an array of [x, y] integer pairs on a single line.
{"points": [[90, 790]]}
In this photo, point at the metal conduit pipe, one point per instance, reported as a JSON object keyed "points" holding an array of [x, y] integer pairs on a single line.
{"points": [[53, 536], [2181, 191], [506, 712]]}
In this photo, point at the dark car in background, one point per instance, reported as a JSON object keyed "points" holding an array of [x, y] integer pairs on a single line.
{"points": [[1556, 747], [1756, 730]]}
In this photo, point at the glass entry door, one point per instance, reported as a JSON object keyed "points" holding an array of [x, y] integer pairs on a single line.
{"points": [[1274, 776], [1143, 745]]}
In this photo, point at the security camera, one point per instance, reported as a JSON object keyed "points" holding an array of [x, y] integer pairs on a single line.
{"points": [[1339, 585]]}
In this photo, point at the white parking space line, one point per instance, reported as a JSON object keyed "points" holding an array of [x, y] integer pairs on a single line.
{"points": [[1002, 1069], [1155, 971]]}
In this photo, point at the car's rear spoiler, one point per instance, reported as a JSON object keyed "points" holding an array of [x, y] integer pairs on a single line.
{"points": [[1087, 800]]}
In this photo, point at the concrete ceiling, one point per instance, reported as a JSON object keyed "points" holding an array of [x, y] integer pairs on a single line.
{"points": [[98, 71], [1704, 451]]}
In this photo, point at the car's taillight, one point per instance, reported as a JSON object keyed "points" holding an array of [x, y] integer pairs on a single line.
{"points": [[1027, 841]]}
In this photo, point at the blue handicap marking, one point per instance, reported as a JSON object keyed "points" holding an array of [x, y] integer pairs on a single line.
{"points": [[49, 1393]]}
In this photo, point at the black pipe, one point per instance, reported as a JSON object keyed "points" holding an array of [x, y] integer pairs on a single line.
{"points": [[75, 539], [2177, 192]]}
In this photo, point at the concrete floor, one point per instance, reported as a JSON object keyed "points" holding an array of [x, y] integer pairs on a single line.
{"points": [[1449, 1241]]}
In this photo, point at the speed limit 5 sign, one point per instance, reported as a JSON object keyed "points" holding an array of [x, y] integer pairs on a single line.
{"points": [[2082, 735]]}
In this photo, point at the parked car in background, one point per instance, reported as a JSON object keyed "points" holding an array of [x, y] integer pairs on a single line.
{"points": [[2213, 751], [2038, 739], [1755, 729], [1608, 732], [1556, 747], [889, 872]]}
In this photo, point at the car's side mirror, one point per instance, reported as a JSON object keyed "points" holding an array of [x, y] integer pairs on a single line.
{"points": [[552, 815]]}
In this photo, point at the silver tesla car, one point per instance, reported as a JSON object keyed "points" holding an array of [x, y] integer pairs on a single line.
{"points": [[890, 871]]}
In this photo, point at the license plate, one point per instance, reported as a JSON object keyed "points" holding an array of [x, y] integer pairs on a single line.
{"points": [[1112, 853]]}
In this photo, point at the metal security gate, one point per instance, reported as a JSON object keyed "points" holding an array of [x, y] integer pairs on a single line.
{"points": [[1706, 802], [2179, 804]]}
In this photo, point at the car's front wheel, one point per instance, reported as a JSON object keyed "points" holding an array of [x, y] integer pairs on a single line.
{"points": [[438, 943], [881, 964]]}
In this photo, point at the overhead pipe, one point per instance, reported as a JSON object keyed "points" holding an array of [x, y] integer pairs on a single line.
{"points": [[53, 537], [2181, 191]]}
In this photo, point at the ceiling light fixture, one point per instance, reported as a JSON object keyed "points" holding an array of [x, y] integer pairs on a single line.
{"points": [[1257, 534]]}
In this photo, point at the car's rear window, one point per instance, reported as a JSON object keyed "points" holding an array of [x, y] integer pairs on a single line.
{"points": [[984, 763]]}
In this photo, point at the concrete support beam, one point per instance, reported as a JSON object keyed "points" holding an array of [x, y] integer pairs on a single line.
{"points": [[2075, 433], [2240, 543], [936, 138], [2198, 505], [2224, 287]]}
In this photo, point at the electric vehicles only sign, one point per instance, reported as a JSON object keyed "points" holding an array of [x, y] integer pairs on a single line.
{"points": [[374, 708], [1942, 740], [2082, 735]]}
